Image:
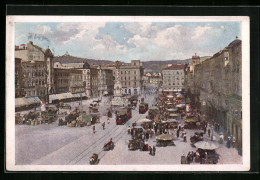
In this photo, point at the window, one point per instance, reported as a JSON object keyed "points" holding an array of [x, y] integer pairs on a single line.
{"points": [[125, 90], [135, 72], [125, 78], [125, 72], [169, 84]]}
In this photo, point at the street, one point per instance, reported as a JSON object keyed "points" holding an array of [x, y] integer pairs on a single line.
{"points": [[50, 144]]}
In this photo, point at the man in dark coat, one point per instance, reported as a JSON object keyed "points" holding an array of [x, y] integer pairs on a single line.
{"points": [[154, 149]]}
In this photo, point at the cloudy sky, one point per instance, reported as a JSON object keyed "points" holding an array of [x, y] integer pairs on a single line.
{"points": [[130, 40]]}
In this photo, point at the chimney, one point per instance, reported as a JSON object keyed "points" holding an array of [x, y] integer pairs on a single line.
{"points": [[169, 65]]}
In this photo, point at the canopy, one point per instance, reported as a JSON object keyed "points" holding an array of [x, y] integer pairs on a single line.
{"points": [[76, 95], [191, 120], [33, 100], [170, 96], [105, 93], [209, 145], [172, 120], [169, 103], [165, 137], [180, 105], [172, 109], [52, 97], [180, 96], [154, 108], [60, 96], [143, 121], [21, 102], [174, 115]]}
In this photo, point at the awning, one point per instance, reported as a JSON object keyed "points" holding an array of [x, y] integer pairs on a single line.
{"points": [[33, 100], [76, 95], [53, 97], [21, 102], [60, 96]]}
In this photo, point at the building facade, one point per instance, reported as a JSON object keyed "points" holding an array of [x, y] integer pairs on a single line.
{"points": [[19, 88], [131, 76], [173, 77], [37, 70], [218, 83]]}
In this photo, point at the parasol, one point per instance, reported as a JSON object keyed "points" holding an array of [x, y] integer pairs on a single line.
{"points": [[209, 145], [190, 120], [140, 121], [169, 96], [172, 120], [180, 105], [165, 137], [173, 115], [172, 109]]}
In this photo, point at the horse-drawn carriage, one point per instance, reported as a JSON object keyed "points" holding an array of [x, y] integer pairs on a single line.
{"points": [[135, 144], [50, 115], [143, 107], [109, 146], [198, 136], [93, 160], [30, 119]]}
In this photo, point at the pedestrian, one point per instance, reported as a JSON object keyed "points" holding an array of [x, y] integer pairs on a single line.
{"points": [[221, 138], [209, 132], [103, 124], [183, 159], [184, 138], [154, 149], [206, 155], [108, 121], [129, 130], [150, 150], [94, 129], [228, 142], [188, 158], [147, 135], [192, 156], [204, 129], [178, 133]]}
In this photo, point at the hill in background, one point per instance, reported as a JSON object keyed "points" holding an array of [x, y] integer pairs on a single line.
{"points": [[155, 66]]}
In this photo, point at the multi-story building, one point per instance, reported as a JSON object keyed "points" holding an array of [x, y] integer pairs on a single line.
{"points": [[37, 70], [155, 80], [68, 80], [19, 88], [131, 76], [218, 83], [105, 81], [84, 75], [173, 77]]}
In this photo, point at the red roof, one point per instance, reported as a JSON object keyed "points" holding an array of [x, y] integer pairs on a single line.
{"points": [[175, 67]]}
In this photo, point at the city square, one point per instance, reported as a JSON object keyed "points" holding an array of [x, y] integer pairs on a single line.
{"points": [[128, 93]]}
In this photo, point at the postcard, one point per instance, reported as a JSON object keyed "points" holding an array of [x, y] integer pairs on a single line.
{"points": [[127, 93]]}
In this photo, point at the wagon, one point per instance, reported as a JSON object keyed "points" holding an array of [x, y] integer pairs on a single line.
{"points": [[50, 115], [93, 160], [135, 144], [109, 146]]}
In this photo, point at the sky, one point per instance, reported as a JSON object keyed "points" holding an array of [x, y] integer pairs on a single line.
{"points": [[126, 41]]}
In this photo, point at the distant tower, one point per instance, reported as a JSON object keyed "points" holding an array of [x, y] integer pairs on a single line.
{"points": [[66, 54], [195, 60]]}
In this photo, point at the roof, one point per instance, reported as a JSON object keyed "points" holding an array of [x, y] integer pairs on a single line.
{"points": [[175, 67], [235, 43]]}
